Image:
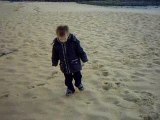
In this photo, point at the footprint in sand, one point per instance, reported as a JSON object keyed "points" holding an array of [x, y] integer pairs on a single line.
{"points": [[140, 98], [157, 62], [18, 8], [105, 73], [34, 97], [149, 65], [30, 87], [119, 84], [5, 95], [146, 98], [33, 86], [131, 96], [151, 116], [124, 104], [157, 70], [147, 102], [107, 86], [41, 84], [2, 79], [37, 9], [111, 85], [88, 102]]}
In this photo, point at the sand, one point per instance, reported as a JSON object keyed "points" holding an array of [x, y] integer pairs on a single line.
{"points": [[121, 79]]}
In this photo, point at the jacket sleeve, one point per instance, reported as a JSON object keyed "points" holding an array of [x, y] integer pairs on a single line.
{"points": [[81, 52], [55, 56]]}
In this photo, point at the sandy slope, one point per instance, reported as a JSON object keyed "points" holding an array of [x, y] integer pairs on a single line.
{"points": [[122, 78]]}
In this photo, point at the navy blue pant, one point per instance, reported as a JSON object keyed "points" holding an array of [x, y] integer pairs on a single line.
{"points": [[77, 76]]}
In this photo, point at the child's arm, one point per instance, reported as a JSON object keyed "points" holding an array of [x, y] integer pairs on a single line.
{"points": [[55, 56], [81, 52]]}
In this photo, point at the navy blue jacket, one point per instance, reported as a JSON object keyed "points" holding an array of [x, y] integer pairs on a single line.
{"points": [[69, 53]]}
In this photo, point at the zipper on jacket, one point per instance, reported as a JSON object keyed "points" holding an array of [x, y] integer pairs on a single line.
{"points": [[64, 52]]}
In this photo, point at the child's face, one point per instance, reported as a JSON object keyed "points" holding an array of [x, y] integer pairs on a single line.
{"points": [[64, 37]]}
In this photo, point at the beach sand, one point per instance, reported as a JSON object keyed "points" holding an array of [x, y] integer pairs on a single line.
{"points": [[121, 79]]}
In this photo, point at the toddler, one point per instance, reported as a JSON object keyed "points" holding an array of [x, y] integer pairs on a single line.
{"points": [[67, 50]]}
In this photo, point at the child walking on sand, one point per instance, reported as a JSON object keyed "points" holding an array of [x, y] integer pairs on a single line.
{"points": [[67, 50]]}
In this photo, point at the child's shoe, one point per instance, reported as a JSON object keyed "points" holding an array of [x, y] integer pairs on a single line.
{"points": [[80, 87], [69, 92]]}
